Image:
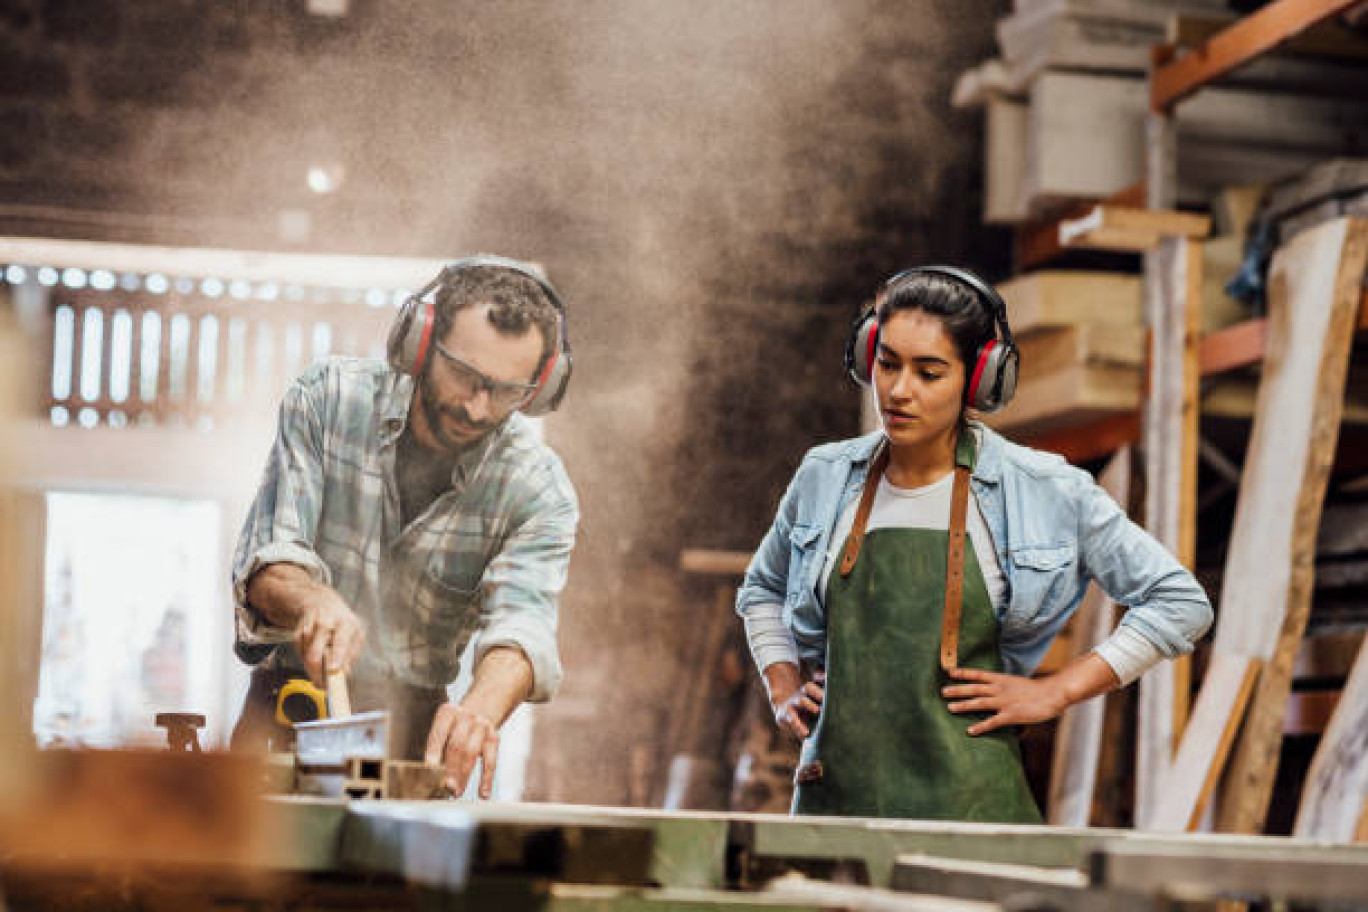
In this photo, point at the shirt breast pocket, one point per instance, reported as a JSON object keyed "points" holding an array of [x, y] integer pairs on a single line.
{"points": [[1042, 580], [802, 553]]}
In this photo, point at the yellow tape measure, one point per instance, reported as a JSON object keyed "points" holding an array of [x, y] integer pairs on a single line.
{"points": [[300, 701]]}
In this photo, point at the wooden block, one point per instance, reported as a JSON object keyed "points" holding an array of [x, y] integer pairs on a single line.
{"points": [[1005, 123], [411, 781], [1190, 781], [1061, 297], [1129, 229], [1057, 348], [1336, 788]]}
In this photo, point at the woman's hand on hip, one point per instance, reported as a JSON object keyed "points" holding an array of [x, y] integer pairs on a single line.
{"points": [[795, 703], [1013, 700]]}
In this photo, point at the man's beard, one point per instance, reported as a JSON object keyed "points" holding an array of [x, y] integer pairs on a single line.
{"points": [[434, 416]]}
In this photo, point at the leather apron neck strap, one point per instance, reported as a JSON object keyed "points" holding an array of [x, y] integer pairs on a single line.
{"points": [[954, 557]]}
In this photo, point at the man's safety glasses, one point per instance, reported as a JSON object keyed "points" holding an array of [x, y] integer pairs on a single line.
{"points": [[504, 395]]}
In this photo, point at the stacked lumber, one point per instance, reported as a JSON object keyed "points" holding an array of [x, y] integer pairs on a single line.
{"points": [[1082, 349], [1071, 91]]}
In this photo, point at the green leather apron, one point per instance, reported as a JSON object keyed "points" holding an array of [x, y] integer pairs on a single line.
{"points": [[885, 744]]}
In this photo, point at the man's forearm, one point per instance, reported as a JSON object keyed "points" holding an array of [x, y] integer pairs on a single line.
{"points": [[502, 680], [278, 592]]}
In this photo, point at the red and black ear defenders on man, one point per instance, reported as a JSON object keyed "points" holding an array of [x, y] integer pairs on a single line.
{"points": [[410, 338], [992, 376]]}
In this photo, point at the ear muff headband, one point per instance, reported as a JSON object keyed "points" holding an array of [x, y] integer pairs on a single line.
{"points": [[410, 338], [993, 374]]}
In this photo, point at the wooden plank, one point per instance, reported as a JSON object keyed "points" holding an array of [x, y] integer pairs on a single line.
{"points": [[1336, 786], [1191, 780], [1234, 347], [1128, 229], [1190, 874], [714, 563], [1172, 295], [1077, 395], [1058, 347], [1243, 41], [1078, 737], [1065, 297], [1315, 286]]}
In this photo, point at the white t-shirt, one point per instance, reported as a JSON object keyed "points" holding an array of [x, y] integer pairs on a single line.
{"points": [[927, 507]]}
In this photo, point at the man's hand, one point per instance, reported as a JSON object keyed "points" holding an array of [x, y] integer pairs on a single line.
{"points": [[795, 704], [459, 737], [1015, 700], [324, 627], [328, 631], [469, 731]]}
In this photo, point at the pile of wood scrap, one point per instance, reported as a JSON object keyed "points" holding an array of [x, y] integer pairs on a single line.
{"points": [[1070, 91]]}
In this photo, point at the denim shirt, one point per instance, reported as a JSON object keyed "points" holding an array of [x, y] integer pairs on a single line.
{"points": [[1053, 528]]}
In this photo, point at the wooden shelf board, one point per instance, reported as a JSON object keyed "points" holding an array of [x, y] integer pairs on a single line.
{"points": [[1242, 41], [1129, 229]]}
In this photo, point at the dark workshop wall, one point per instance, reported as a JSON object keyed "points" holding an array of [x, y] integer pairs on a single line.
{"points": [[714, 186]]}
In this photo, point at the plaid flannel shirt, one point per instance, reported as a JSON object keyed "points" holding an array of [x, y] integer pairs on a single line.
{"points": [[487, 558]]}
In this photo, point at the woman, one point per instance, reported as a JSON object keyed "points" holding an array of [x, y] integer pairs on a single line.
{"points": [[921, 647]]}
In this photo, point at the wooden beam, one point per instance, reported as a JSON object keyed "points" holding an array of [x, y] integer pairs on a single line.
{"points": [[1129, 229], [1325, 39], [1233, 347], [1246, 39]]}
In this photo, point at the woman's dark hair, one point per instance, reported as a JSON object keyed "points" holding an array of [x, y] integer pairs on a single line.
{"points": [[967, 322]]}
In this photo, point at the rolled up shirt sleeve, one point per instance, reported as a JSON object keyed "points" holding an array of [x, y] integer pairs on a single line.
{"points": [[283, 520], [522, 583], [1165, 603], [760, 600]]}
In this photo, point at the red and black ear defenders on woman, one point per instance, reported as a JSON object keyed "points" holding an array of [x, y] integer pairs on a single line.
{"points": [[992, 376], [410, 338]]}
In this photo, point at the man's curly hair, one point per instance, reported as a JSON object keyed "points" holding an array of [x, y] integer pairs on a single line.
{"points": [[515, 302]]}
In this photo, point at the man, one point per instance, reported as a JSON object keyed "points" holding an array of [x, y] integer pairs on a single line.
{"points": [[406, 507]]}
